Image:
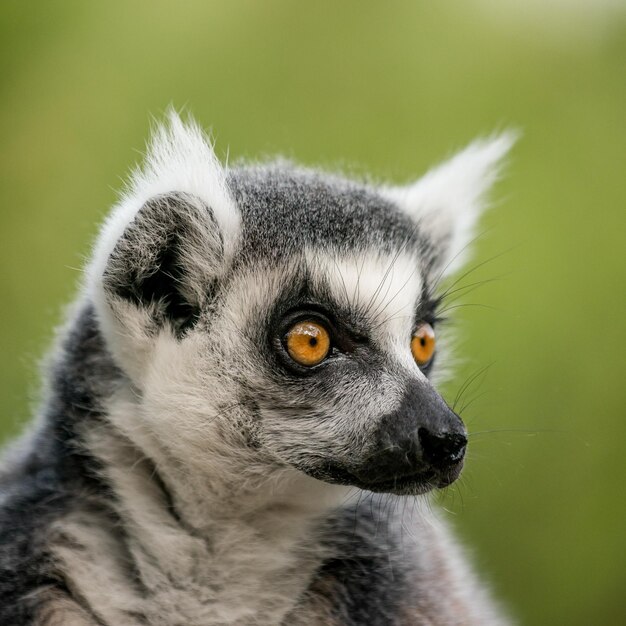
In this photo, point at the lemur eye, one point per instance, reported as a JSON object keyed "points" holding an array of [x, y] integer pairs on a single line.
{"points": [[423, 344], [308, 343]]}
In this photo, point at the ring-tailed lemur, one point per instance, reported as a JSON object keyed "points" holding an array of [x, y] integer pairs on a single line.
{"points": [[239, 421]]}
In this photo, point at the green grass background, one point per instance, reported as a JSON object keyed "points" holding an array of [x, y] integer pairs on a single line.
{"points": [[388, 88]]}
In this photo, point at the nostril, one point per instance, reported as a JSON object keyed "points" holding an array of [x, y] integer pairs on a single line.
{"points": [[442, 449]]}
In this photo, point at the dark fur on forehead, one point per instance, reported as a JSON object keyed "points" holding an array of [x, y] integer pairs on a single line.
{"points": [[285, 208]]}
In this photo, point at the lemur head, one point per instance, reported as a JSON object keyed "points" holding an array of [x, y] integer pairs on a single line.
{"points": [[287, 317]]}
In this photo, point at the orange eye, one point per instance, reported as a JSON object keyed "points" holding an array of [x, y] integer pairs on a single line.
{"points": [[423, 344], [308, 343]]}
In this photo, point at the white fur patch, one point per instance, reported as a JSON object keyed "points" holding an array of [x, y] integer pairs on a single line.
{"points": [[385, 288]]}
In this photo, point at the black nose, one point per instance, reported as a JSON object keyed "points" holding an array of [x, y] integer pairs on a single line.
{"points": [[442, 450]]}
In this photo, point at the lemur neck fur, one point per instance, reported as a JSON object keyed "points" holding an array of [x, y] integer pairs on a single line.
{"points": [[228, 486]]}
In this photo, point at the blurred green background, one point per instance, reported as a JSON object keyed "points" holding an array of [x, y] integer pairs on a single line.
{"points": [[388, 88]]}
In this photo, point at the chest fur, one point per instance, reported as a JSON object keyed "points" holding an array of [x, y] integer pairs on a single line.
{"points": [[241, 576]]}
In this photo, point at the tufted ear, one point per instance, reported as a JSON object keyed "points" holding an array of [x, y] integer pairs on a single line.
{"points": [[448, 201], [165, 246], [167, 259]]}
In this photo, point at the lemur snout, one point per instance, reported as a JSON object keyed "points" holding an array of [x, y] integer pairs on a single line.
{"points": [[420, 446], [442, 450]]}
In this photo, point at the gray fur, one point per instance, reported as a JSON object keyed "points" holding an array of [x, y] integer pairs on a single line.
{"points": [[184, 471]]}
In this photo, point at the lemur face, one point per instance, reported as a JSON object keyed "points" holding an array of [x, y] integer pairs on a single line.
{"points": [[289, 316], [332, 287]]}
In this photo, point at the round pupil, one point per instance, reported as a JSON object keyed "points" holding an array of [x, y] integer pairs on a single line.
{"points": [[313, 341]]}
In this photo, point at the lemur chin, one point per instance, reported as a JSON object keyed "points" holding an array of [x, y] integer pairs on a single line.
{"points": [[251, 362]]}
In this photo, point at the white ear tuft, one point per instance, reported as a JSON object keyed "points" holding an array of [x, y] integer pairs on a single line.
{"points": [[447, 202], [179, 158], [181, 182]]}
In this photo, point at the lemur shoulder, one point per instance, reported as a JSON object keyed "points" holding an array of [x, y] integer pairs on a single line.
{"points": [[239, 423]]}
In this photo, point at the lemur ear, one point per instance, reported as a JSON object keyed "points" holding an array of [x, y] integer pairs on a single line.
{"points": [[165, 246], [167, 259], [447, 202]]}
